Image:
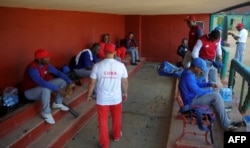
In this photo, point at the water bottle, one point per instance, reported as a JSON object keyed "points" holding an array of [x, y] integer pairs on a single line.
{"points": [[226, 94]]}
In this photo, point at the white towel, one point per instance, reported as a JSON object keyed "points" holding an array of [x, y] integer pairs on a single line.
{"points": [[79, 54]]}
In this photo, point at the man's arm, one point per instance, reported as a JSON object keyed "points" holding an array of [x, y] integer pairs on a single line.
{"points": [[124, 89], [219, 52], [91, 89], [59, 74], [233, 35], [197, 48], [127, 43], [134, 41], [35, 76], [199, 33]]}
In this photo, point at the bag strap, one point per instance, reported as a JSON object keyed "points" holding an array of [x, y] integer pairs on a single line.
{"points": [[198, 114]]}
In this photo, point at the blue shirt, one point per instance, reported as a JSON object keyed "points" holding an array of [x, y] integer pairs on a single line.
{"points": [[190, 88], [35, 76], [85, 60]]}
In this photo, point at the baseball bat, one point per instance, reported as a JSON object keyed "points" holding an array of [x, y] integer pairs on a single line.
{"points": [[72, 111]]}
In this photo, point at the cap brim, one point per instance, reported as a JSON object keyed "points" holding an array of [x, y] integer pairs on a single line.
{"points": [[204, 69]]}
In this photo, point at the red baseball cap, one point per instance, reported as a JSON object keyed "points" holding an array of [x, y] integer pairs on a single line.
{"points": [[190, 18], [239, 25], [41, 53], [110, 48]]}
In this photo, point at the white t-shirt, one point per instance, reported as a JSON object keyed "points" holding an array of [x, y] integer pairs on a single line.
{"points": [[242, 35], [108, 74]]}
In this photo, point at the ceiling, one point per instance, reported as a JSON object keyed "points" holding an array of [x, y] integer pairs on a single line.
{"points": [[128, 7]]}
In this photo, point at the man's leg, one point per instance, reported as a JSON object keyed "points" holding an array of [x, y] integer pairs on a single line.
{"points": [[40, 93], [116, 112], [103, 113], [187, 59], [121, 53], [241, 48], [131, 51], [216, 101], [62, 85], [213, 75], [237, 52], [82, 73], [137, 54]]}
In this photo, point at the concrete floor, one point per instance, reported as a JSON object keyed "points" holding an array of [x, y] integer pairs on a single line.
{"points": [[146, 114]]}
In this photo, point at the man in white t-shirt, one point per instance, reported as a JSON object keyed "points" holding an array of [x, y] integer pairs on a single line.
{"points": [[241, 39], [110, 77]]}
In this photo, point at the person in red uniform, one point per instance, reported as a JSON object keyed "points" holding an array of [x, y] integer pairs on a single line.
{"points": [[120, 51], [195, 33], [110, 78], [39, 84], [208, 48]]}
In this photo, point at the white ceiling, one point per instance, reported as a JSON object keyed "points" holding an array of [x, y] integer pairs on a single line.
{"points": [[127, 7]]}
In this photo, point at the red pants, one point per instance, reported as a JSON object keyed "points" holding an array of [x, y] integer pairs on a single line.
{"points": [[121, 52], [103, 114]]}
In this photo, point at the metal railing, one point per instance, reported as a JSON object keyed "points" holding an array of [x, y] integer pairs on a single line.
{"points": [[225, 59], [244, 71]]}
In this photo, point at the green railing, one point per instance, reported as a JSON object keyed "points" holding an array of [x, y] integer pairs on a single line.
{"points": [[244, 71], [225, 58]]}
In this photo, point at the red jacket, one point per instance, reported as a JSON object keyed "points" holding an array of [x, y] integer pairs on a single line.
{"points": [[28, 83], [193, 36], [101, 53], [208, 49]]}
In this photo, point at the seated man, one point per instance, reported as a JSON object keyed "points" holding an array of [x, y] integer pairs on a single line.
{"points": [[85, 61], [120, 51], [132, 48], [194, 92], [182, 49], [38, 83]]}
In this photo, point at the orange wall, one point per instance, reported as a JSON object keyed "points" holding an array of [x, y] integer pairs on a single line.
{"points": [[160, 35], [63, 33]]}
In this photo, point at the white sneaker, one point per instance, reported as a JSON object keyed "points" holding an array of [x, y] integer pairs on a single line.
{"points": [[60, 106], [48, 118], [118, 138]]}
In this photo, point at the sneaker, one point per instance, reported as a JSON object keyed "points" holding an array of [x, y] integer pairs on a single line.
{"points": [[48, 118], [60, 106], [228, 109], [138, 60], [118, 138], [133, 63], [234, 125]]}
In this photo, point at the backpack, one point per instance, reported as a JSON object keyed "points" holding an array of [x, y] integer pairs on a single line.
{"points": [[200, 112], [168, 69]]}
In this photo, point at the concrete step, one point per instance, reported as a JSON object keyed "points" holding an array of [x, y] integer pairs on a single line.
{"points": [[34, 127], [24, 127], [22, 114], [66, 127]]}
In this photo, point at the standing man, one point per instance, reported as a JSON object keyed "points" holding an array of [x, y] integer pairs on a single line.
{"points": [[109, 77], [39, 84], [195, 33], [85, 61], [207, 48], [241, 39], [132, 48]]}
